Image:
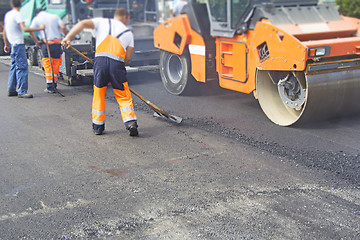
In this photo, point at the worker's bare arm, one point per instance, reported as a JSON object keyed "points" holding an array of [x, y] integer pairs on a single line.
{"points": [[64, 29], [6, 42], [34, 38], [87, 23], [129, 53], [26, 29]]}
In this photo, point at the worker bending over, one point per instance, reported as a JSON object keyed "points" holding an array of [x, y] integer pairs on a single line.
{"points": [[53, 25], [14, 43], [114, 49]]}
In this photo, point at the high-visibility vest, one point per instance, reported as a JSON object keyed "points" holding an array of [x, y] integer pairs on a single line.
{"points": [[111, 47]]}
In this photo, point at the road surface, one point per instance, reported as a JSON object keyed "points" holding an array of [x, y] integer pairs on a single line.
{"points": [[225, 172]]}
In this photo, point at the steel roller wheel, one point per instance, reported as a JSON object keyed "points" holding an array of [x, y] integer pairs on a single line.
{"points": [[281, 96], [293, 97], [175, 72]]}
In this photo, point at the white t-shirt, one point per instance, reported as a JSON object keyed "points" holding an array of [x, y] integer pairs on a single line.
{"points": [[117, 27], [52, 25], [13, 30]]}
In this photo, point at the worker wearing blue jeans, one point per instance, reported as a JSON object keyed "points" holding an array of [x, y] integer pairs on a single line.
{"points": [[18, 74], [14, 42]]}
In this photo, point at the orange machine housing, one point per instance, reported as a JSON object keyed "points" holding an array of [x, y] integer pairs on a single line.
{"points": [[285, 47], [175, 35]]}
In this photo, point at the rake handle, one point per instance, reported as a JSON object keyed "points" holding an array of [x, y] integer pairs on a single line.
{"points": [[81, 54], [151, 105], [51, 66]]}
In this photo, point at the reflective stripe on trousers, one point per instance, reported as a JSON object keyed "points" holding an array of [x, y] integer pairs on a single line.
{"points": [[125, 102], [56, 62], [98, 105], [123, 98]]}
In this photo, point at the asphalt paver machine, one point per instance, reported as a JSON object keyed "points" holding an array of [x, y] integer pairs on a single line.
{"points": [[143, 20]]}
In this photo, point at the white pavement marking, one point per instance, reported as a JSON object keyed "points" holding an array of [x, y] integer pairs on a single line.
{"points": [[44, 210]]}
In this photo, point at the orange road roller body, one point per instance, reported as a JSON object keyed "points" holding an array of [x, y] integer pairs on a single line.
{"points": [[299, 58]]}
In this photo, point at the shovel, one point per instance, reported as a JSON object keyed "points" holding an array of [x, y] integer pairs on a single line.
{"points": [[158, 112]]}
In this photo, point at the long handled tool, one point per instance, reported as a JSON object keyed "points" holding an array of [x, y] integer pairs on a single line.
{"points": [[158, 112], [51, 66]]}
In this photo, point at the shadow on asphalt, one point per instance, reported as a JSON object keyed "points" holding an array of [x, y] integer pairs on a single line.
{"points": [[349, 121]]}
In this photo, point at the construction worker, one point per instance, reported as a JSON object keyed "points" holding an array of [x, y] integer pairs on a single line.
{"points": [[14, 43], [114, 49], [53, 25]]}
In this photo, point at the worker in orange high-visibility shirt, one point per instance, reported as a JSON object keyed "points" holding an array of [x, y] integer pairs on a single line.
{"points": [[53, 28], [114, 49]]}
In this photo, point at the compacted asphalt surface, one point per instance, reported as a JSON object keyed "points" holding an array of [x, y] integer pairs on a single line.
{"points": [[225, 172]]}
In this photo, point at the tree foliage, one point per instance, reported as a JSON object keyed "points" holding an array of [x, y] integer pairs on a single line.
{"points": [[349, 7]]}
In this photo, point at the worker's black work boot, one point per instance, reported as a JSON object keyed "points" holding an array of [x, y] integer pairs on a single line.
{"points": [[97, 132], [50, 88], [132, 127], [98, 129], [12, 94]]}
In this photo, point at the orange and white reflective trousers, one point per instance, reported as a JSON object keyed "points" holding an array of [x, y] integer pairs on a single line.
{"points": [[124, 100], [55, 52], [109, 66]]}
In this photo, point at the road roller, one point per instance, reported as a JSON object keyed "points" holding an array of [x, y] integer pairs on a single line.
{"points": [[299, 58]]}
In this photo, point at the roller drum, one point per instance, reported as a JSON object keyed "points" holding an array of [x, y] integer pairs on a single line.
{"points": [[333, 94], [327, 95]]}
